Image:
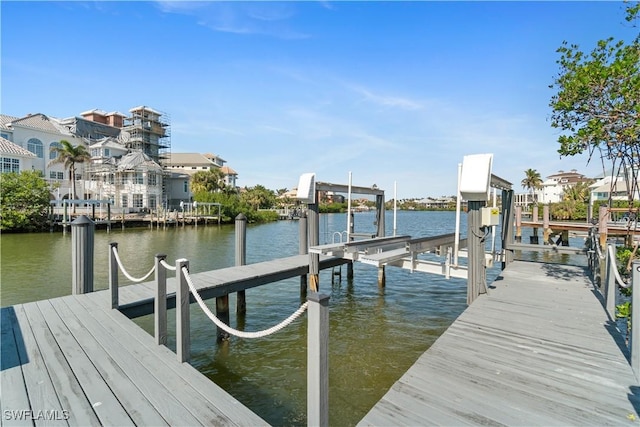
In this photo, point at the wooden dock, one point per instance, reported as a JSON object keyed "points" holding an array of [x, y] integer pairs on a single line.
{"points": [[70, 361], [75, 361], [539, 349], [137, 300]]}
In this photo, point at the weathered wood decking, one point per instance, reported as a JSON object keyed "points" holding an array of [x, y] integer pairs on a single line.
{"points": [[75, 361], [539, 349], [70, 361]]}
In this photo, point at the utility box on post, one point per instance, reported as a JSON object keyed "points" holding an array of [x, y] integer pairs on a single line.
{"points": [[490, 216]]}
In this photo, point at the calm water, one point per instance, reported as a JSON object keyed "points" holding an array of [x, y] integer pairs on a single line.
{"points": [[375, 335]]}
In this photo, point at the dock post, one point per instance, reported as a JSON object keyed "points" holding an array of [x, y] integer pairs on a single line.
{"points": [[314, 238], [635, 319], [241, 258], [518, 224], [160, 303], [533, 239], [382, 278], [476, 281], [183, 321], [507, 227], [546, 231], [82, 237], [65, 217], [222, 313], [318, 360], [350, 263], [113, 275], [609, 284], [603, 218], [303, 249], [108, 217]]}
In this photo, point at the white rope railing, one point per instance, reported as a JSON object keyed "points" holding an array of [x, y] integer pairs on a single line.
{"points": [[127, 275], [167, 266], [230, 330], [612, 259]]}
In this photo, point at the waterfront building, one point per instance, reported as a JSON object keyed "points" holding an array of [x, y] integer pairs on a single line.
{"points": [[131, 161], [551, 190], [15, 158]]}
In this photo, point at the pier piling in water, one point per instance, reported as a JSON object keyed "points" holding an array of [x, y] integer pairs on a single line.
{"points": [[303, 249], [241, 258], [82, 237]]}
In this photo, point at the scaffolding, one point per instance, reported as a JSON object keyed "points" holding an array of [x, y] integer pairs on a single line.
{"points": [[149, 131]]}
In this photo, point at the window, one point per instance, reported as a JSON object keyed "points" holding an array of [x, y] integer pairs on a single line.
{"points": [[107, 152], [10, 165], [125, 201], [111, 178], [152, 179], [186, 186], [138, 178], [138, 201], [53, 154], [5, 136], [152, 201], [35, 146]]}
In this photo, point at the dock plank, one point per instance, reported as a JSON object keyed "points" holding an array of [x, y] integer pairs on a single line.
{"points": [[538, 344], [101, 378], [208, 400], [11, 376]]}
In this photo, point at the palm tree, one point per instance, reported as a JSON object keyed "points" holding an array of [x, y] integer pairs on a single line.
{"points": [[210, 181], [532, 181], [70, 155]]}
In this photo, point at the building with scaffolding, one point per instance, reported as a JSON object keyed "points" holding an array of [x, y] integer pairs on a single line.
{"points": [[126, 154], [147, 130]]}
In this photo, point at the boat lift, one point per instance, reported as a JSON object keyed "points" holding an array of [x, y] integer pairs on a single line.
{"points": [[474, 183]]}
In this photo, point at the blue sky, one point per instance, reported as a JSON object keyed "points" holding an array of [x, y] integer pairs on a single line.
{"points": [[391, 91]]}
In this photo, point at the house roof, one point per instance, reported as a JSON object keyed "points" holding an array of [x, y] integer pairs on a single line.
{"points": [[136, 160], [41, 122], [228, 171], [6, 120], [108, 142], [8, 147], [191, 159]]}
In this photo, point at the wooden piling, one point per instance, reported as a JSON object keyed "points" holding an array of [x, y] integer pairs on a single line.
{"points": [[108, 217], [314, 238], [518, 224], [241, 258], [603, 219], [82, 238], [160, 301], [533, 239], [222, 313], [113, 275], [507, 226], [382, 278], [318, 360], [303, 249], [476, 280], [546, 231], [183, 321], [350, 263]]}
